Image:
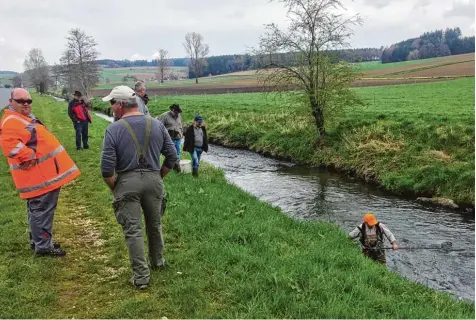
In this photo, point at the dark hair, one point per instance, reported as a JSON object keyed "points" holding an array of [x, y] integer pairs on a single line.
{"points": [[176, 108], [77, 93]]}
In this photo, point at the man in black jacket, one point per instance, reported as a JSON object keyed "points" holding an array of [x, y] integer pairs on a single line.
{"points": [[196, 141], [79, 114]]}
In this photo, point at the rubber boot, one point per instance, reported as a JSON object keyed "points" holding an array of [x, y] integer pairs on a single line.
{"points": [[195, 172]]}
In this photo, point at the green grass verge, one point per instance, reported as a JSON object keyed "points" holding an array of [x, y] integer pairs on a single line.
{"points": [[229, 255], [415, 139]]}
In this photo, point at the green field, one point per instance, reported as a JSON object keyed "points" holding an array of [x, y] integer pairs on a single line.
{"points": [[415, 139], [229, 255], [378, 65]]}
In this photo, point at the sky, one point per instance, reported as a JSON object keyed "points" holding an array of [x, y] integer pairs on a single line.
{"points": [[137, 29]]}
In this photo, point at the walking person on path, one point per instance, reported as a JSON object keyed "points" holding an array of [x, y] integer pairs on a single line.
{"points": [[130, 166], [172, 121], [196, 141]]}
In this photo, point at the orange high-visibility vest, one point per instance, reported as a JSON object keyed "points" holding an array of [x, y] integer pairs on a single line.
{"points": [[23, 138]]}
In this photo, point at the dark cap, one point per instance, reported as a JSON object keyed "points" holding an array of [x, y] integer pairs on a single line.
{"points": [[77, 93], [198, 118], [176, 108]]}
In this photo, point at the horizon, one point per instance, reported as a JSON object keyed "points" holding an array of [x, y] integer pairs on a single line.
{"points": [[231, 26]]}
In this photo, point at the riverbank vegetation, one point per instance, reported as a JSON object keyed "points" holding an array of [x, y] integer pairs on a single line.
{"points": [[229, 255], [411, 139]]}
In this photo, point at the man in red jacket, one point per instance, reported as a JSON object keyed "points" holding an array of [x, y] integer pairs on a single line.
{"points": [[79, 114]]}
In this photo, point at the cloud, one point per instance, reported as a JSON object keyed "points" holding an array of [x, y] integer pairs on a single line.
{"points": [[229, 26], [378, 3], [137, 56], [461, 8]]}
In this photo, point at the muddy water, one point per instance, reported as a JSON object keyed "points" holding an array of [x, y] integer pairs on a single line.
{"points": [[313, 194]]}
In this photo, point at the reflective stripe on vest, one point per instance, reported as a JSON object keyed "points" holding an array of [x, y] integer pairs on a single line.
{"points": [[15, 117], [42, 159], [17, 149], [49, 182]]}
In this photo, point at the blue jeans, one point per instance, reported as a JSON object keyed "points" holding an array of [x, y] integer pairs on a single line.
{"points": [[177, 144], [197, 152], [81, 134]]}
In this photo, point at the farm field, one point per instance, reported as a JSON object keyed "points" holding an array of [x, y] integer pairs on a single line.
{"points": [[373, 74]]}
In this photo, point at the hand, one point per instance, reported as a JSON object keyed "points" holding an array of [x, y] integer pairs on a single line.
{"points": [[394, 246], [27, 164]]}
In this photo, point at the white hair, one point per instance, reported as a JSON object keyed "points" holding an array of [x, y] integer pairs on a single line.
{"points": [[139, 86]]}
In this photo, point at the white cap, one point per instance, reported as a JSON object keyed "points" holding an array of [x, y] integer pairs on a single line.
{"points": [[120, 93]]}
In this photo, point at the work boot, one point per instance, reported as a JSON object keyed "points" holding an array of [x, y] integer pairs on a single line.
{"points": [[137, 285], [55, 252], [195, 172], [56, 245]]}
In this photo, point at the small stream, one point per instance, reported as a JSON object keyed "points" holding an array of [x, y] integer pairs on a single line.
{"points": [[314, 194]]}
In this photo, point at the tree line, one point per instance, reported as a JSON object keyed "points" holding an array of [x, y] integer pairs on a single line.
{"points": [[79, 66], [433, 44]]}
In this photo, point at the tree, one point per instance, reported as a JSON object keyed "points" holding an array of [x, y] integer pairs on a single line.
{"points": [[197, 52], [162, 64], [80, 59], [16, 82], [309, 65], [36, 69]]}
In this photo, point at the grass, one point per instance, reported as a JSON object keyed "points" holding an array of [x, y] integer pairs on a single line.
{"points": [[229, 255], [185, 82], [378, 65], [413, 139]]}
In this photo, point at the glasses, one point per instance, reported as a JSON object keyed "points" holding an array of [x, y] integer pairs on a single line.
{"points": [[23, 101], [112, 102]]}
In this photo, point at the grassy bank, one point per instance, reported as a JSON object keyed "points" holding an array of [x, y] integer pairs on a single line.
{"points": [[411, 139], [229, 255]]}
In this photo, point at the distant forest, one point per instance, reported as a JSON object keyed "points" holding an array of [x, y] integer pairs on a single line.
{"points": [[437, 43]]}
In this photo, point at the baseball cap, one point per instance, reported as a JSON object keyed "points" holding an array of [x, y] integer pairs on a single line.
{"points": [[120, 93], [370, 219], [198, 118]]}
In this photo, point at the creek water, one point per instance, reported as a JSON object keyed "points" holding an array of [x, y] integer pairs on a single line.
{"points": [[315, 194]]}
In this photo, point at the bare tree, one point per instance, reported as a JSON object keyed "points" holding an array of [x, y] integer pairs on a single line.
{"points": [[301, 57], [197, 52], [80, 58], [16, 82], [36, 69], [162, 64], [67, 69]]}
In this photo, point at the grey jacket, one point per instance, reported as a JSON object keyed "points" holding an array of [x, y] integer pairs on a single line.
{"points": [[173, 125], [142, 107]]}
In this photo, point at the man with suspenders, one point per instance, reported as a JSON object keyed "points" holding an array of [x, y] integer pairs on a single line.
{"points": [[371, 236], [130, 165]]}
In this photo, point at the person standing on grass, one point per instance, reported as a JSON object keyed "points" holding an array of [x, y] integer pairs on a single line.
{"points": [[79, 114], [172, 121], [370, 234], [196, 141], [132, 149], [141, 97], [39, 165]]}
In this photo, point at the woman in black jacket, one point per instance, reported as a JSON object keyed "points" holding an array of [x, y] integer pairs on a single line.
{"points": [[196, 141]]}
